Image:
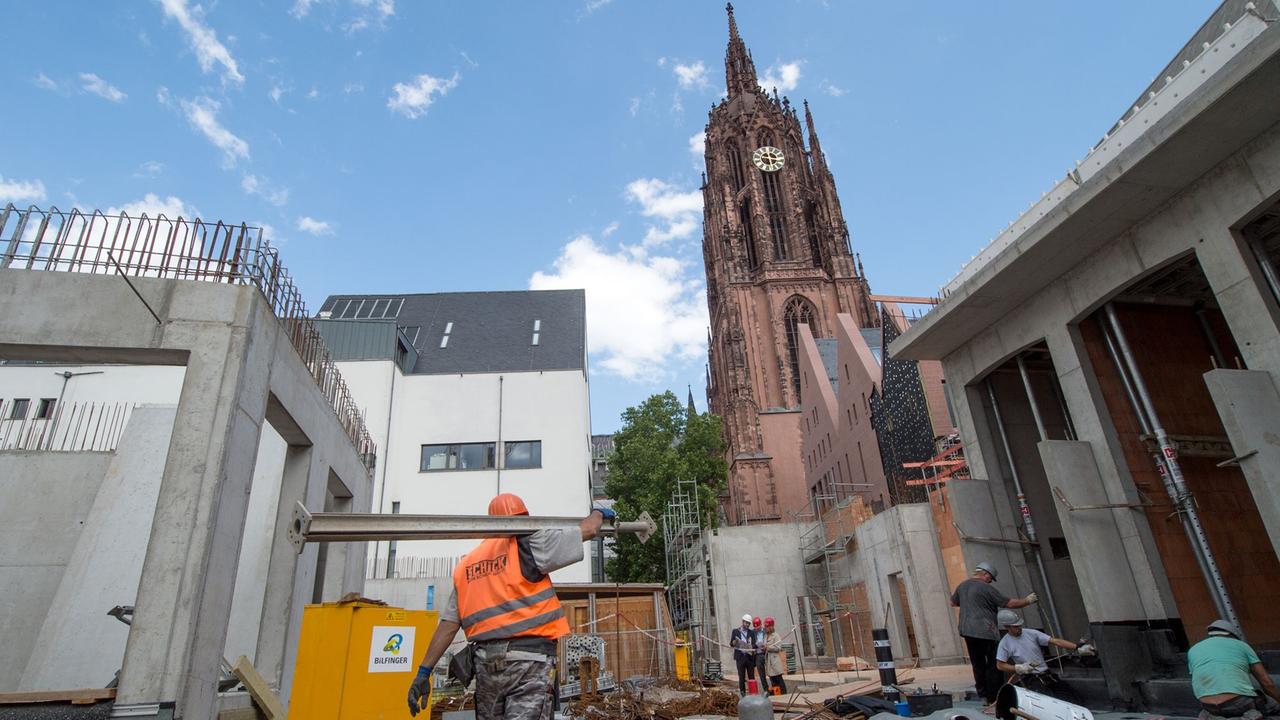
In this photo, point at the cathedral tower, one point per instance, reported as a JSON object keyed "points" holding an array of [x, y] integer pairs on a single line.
{"points": [[777, 254]]}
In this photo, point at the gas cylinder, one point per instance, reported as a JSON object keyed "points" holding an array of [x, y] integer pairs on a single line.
{"points": [[754, 706]]}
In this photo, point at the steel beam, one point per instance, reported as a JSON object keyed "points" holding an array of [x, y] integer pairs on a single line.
{"points": [[307, 526]]}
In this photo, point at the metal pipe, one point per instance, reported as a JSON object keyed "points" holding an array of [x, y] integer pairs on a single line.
{"points": [[1025, 510], [1268, 268], [1055, 388], [1207, 329], [1175, 483], [1031, 399]]}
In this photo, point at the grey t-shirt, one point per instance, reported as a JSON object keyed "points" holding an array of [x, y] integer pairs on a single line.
{"points": [[978, 603], [551, 550], [1023, 649]]}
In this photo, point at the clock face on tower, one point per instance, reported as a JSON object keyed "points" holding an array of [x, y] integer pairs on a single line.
{"points": [[767, 158]]}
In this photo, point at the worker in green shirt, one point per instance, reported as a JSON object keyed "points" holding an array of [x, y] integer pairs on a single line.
{"points": [[1221, 666]]}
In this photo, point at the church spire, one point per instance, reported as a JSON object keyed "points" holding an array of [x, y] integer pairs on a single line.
{"points": [[693, 410], [815, 148], [739, 69]]}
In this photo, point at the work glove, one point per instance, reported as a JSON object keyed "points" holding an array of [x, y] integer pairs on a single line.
{"points": [[606, 513], [1032, 598], [1022, 668], [1086, 650], [420, 691]]}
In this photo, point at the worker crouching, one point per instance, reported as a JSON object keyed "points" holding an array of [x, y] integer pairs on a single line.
{"points": [[1021, 652], [504, 602]]}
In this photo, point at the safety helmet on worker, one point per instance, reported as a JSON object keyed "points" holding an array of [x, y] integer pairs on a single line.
{"points": [[1008, 618], [746, 618], [768, 622], [987, 568], [755, 622], [1218, 628], [507, 504]]}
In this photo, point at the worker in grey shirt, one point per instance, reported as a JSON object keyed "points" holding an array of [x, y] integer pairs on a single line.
{"points": [[978, 602], [504, 602]]}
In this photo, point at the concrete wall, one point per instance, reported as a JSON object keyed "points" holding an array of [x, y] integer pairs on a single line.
{"points": [[755, 569], [45, 499]]}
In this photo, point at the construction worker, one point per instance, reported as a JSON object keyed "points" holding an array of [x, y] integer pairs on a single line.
{"points": [[743, 641], [978, 602], [774, 667], [1221, 665], [1020, 653], [758, 635], [504, 601]]}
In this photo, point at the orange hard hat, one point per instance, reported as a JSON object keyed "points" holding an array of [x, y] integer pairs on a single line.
{"points": [[507, 504]]}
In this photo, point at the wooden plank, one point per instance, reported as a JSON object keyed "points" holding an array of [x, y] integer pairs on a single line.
{"points": [[86, 696], [258, 688], [905, 299]]}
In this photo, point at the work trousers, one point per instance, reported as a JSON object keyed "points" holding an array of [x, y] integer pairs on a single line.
{"points": [[1238, 706], [1048, 683], [515, 689], [986, 677], [760, 674], [746, 671]]}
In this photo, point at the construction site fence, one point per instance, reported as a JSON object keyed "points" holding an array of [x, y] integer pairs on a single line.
{"points": [[64, 427], [411, 567], [179, 249]]}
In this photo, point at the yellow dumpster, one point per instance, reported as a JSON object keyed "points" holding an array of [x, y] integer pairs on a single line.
{"points": [[356, 660]]}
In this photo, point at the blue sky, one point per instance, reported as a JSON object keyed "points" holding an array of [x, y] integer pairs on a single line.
{"points": [[395, 146]]}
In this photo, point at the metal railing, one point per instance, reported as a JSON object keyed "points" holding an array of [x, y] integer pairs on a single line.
{"points": [[180, 249], [65, 427]]}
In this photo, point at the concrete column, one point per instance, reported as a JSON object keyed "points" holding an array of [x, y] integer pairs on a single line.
{"points": [[1249, 406], [290, 574], [1108, 482], [188, 575], [1242, 296], [983, 507]]}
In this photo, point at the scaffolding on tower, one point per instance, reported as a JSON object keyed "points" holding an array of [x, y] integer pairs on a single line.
{"points": [[688, 590]]}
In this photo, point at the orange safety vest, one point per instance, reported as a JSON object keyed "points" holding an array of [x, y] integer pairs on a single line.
{"points": [[496, 602]]}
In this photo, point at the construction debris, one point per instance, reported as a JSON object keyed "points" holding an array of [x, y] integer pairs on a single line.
{"points": [[450, 703], [674, 702]]}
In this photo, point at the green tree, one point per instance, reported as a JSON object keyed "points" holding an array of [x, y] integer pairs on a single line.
{"points": [[659, 444]]}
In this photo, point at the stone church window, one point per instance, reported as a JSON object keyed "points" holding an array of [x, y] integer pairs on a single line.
{"points": [[797, 311], [735, 165]]}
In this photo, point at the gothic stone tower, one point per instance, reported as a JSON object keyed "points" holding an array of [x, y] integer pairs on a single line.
{"points": [[777, 254]]}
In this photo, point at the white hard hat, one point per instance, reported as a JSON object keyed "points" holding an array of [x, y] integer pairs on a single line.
{"points": [[1224, 627], [987, 568], [1008, 618], [746, 618]]}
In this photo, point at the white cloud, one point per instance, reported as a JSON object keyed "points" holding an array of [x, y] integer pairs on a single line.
{"points": [[172, 207], [678, 211], [163, 97], [609, 229], [698, 143], [313, 226], [313, 93], [634, 106], [642, 311], [353, 88], [202, 113], [276, 93], [203, 40], [412, 99], [830, 89], [301, 8], [44, 81], [784, 76], [254, 185], [101, 88], [150, 168], [691, 75], [370, 13], [21, 192]]}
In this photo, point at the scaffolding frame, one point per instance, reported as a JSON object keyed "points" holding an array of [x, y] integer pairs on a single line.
{"points": [[816, 553], [686, 565]]}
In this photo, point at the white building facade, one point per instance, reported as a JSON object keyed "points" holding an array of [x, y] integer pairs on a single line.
{"points": [[466, 395]]}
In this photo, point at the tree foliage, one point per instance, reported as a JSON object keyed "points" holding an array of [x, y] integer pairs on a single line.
{"points": [[659, 444]]}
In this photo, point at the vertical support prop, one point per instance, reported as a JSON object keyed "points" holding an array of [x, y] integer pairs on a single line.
{"points": [[884, 661]]}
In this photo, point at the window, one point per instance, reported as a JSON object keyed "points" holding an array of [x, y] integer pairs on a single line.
{"points": [[461, 456], [537, 329], [797, 311], [19, 409], [44, 410], [444, 339], [521, 455]]}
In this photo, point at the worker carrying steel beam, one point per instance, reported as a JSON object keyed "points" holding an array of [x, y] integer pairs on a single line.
{"points": [[504, 601]]}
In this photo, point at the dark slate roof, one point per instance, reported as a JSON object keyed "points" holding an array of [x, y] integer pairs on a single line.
{"points": [[491, 331], [875, 342], [828, 350]]}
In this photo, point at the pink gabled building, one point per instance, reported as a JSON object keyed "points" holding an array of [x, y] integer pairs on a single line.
{"points": [[862, 419]]}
